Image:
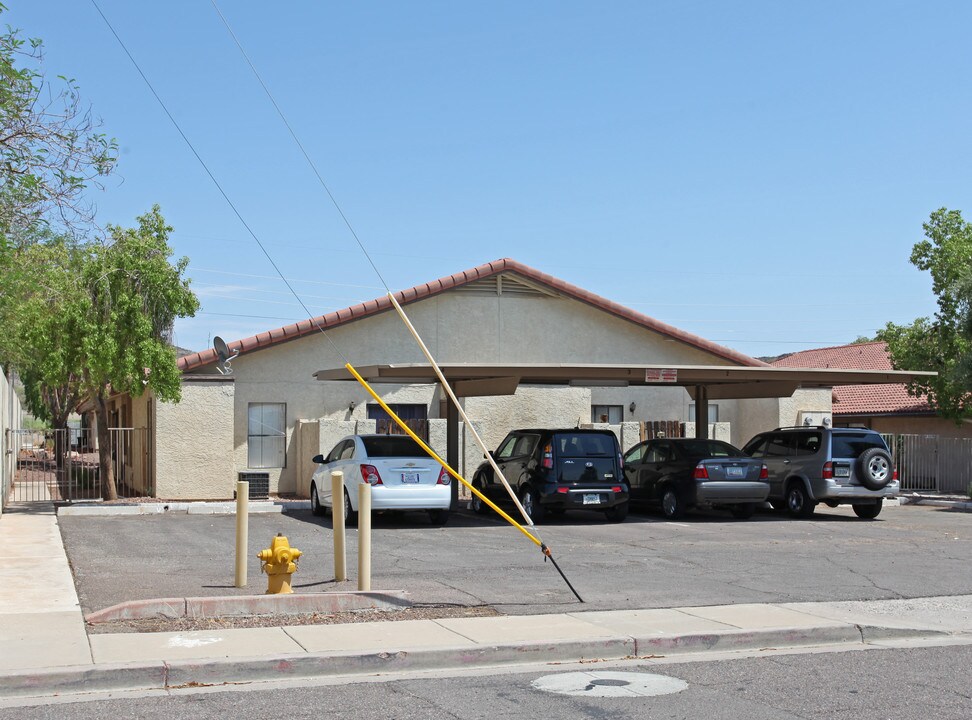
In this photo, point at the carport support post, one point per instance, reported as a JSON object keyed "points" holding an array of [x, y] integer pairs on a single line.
{"points": [[337, 520], [242, 530], [701, 412], [452, 447]]}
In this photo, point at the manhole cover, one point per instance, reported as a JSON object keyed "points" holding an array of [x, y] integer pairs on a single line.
{"points": [[610, 684]]}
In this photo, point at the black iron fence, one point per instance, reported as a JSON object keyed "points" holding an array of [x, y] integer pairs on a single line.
{"points": [[63, 465]]}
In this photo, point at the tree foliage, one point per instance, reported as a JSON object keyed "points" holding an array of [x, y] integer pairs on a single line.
{"points": [[942, 343], [49, 145], [42, 307], [135, 295], [89, 320]]}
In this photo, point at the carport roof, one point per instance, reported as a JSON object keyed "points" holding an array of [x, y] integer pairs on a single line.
{"points": [[722, 382]]}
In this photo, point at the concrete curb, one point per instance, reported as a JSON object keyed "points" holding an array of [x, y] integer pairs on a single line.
{"points": [[221, 671], [960, 505], [242, 605], [170, 508]]}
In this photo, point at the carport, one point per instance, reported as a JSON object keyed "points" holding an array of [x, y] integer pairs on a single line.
{"points": [[703, 382]]}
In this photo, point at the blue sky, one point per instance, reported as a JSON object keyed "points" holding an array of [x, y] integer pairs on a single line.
{"points": [[753, 172]]}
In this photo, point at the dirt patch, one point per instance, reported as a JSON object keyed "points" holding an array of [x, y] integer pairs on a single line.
{"points": [[416, 612]]}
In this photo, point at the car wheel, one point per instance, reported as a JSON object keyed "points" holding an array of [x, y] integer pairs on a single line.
{"points": [[475, 503], [439, 517], [531, 503], [316, 506], [868, 511], [874, 468], [617, 514], [798, 503], [350, 516], [672, 506], [743, 511]]}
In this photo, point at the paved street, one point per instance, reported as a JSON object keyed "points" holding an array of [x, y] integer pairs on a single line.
{"points": [[909, 551], [902, 684]]}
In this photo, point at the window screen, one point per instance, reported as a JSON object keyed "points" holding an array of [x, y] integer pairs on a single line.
{"points": [[266, 435]]}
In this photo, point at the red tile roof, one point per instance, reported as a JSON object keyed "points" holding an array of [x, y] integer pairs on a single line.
{"points": [[426, 290], [860, 399]]}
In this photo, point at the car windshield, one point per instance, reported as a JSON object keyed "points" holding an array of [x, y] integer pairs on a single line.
{"points": [[392, 446], [852, 445], [708, 448], [584, 444]]}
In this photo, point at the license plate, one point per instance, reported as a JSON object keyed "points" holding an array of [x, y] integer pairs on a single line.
{"points": [[592, 499], [841, 471], [410, 477], [735, 472]]}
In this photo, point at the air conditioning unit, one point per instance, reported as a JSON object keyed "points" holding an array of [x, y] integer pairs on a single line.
{"points": [[814, 418], [259, 484]]}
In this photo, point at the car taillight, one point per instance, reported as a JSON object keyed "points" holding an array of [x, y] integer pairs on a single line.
{"points": [[563, 490], [616, 489], [700, 472], [895, 476], [828, 471], [369, 474], [444, 477], [763, 473], [547, 461]]}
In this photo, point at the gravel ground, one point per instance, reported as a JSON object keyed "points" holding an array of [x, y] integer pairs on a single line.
{"points": [[418, 612]]}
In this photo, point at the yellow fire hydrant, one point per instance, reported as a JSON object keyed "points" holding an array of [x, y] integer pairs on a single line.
{"points": [[279, 562]]}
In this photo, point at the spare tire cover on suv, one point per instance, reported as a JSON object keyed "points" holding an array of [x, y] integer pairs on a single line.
{"points": [[874, 468]]}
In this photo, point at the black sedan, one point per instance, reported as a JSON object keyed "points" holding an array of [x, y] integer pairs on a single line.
{"points": [[681, 473]]}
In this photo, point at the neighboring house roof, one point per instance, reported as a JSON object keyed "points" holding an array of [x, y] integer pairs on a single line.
{"points": [[860, 399], [506, 268]]}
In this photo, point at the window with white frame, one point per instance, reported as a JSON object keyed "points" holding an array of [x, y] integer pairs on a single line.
{"points": [[612, 414], [713, 413], [266, 435]]}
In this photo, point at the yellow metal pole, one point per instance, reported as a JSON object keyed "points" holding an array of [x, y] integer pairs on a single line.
{"points": [[242, 530], [497, 472], [364, 536], [337, 519], [433, 454]]}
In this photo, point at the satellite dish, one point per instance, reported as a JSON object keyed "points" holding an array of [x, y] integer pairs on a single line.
{"points": [[223, 355]]}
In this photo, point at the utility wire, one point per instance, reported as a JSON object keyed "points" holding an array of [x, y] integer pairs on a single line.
{"points": [[300, 145], [215, 181]]}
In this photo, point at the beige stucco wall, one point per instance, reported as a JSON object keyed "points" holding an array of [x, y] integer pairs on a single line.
{"points": [[918, 425], [458, 326], [194, 443], [11, 412]]}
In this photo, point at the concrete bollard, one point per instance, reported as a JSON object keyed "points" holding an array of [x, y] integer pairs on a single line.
{"points": [[364, 536], [337, 519], [242, 530]]}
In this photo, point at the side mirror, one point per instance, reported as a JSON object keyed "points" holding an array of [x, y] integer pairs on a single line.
{"points": [[318, 459]]}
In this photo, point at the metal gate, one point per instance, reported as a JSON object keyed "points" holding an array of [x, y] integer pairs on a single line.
{"points": [[62, 465], [932, 463]]}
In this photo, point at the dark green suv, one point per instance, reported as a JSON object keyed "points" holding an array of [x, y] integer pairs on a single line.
{"points": [[835, 466], [553, 471]]}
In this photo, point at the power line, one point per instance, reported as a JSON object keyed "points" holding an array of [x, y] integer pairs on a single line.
{"points": [[213, 178]]}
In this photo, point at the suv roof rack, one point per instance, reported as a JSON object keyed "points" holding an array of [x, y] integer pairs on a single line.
{"points": [[803, 427]]}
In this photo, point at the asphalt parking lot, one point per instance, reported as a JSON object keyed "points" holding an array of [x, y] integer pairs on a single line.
{"points": [[645, 562]]}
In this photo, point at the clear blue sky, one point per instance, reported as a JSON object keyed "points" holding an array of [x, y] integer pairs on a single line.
{"points": [[753, 172]]}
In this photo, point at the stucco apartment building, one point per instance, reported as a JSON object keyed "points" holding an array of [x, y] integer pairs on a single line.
{"points": [[270, 415]]}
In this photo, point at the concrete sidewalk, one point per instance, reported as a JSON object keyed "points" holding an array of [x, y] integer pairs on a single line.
{"points": [[47, 651]]}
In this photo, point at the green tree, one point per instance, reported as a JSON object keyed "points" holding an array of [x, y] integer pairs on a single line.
{"points": [[135, 295], [49, 145], [40, 310], [942, 343]]}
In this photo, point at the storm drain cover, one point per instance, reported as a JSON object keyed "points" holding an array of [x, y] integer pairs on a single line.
{"points": [[610, 684]]}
